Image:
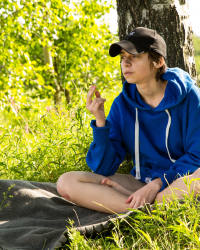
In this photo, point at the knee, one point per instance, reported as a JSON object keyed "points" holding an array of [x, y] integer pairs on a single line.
{"points": [[64, 184]]}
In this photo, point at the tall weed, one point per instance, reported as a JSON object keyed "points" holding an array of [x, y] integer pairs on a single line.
{"points": [[40, 142], [43, 148]]}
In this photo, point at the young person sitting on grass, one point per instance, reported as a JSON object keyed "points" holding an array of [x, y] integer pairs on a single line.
{"points": [[156, 118]]}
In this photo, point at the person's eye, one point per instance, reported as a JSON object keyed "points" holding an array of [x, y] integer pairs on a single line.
{"points": [[134, 56]]}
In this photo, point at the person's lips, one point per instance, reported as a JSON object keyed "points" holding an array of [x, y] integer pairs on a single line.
{"points": [[127, 73]]}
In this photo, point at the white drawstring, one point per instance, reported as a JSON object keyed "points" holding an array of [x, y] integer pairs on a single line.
{"points": [[137, 157], [167, 134]]}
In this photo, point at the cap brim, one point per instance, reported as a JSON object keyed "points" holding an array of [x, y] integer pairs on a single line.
{"points": [[129, 47]]}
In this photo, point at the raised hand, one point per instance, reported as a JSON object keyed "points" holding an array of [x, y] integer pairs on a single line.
{"points": [[96, 106]]}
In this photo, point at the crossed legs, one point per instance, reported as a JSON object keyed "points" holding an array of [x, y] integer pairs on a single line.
{"points": [[86, 189]]}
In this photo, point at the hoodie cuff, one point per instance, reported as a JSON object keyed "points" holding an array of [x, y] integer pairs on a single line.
{"points": [[101, 134], [167, 178]]}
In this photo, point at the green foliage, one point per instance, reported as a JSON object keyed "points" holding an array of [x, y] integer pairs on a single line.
{"points": [[196, 41], [45, 147], [76, 241], [54, 46], [5, 196], [40, 142], [174, 225]]}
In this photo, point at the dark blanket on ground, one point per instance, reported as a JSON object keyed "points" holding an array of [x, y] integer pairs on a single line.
{"points": [[37, 217]]}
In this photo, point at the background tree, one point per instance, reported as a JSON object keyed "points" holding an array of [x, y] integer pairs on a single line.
{"points": [[170, 18], [196, 41], [53, 48], [51, 52]]}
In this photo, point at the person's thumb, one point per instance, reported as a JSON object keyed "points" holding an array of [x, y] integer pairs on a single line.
{"points": [[97, 94]]}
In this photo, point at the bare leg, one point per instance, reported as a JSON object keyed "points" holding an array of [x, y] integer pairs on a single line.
{"points": [[178, 187], [84, 189]]}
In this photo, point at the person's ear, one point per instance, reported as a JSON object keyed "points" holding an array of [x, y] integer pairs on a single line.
{"points": [[159, 64]]}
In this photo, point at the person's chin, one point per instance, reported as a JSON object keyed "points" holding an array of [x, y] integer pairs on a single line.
{"points": [[129, 79]]}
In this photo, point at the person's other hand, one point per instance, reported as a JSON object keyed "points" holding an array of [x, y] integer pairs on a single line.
{"points": [[146, 194]]}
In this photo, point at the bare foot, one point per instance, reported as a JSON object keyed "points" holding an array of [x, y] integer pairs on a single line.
{"points": [[116, 186]]}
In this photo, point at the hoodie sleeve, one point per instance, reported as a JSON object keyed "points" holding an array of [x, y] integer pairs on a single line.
{"points": [[190, 162], [106, 151]]}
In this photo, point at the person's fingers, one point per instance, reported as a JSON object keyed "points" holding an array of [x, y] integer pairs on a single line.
{"points": [[97, 104], [97, 94], [89, 95], [97, 100], [91, 107], [135, 201], [139, 204], [129, 199], [132, 203]]}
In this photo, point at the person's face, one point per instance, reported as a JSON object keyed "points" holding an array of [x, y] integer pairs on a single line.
{"points": [[136, 68]]}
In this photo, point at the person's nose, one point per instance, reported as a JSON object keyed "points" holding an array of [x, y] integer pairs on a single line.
{"points": [[126, 62]]}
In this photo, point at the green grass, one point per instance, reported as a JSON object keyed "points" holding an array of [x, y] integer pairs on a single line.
{"points": [[44, 147], [39, 143], [170, 226]]}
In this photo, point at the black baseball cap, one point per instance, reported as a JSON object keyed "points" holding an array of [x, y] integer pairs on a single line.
{"points": [[140, 41]]}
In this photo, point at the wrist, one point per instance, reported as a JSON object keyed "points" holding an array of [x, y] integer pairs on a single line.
{"points": [[157, 183], [100, 123]]}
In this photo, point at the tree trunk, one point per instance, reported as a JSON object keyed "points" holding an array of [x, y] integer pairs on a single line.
{"points": [[57, 84], [170, 18], [48, 60]]}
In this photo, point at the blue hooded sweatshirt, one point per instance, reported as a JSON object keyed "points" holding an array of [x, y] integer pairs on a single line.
{"points": [[164, 142]]}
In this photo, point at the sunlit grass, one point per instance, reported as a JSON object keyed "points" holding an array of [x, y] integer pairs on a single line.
{"points": [[171, 225], [39, 143]]}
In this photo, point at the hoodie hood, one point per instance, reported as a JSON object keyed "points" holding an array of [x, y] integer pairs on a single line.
{"points": [[178, 86]]}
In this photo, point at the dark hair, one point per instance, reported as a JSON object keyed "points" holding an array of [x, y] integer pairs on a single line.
{"points": [[155, 58]]}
